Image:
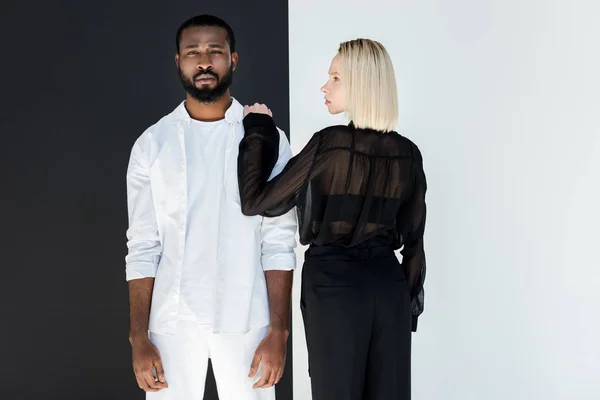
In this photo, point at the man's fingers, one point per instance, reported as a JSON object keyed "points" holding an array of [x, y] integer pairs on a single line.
{"points": [[281, 369], [264, 378], [272, 378], [144, 383], [267, 370], [141, 384], [254, 365], [150, 381], [160, 372], [279, 376]]}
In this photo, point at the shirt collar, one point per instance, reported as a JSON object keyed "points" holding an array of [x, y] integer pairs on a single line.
{"points": [[234, 114]]}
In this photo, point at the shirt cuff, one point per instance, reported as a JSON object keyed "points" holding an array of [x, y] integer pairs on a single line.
{"points": [[140, 271], [279, 262]]}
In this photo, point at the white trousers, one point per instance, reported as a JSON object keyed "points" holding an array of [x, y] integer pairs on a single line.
{"points": [[185, 360]]}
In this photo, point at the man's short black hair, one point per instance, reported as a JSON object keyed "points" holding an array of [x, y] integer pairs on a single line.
{"points": [[207, 20]]}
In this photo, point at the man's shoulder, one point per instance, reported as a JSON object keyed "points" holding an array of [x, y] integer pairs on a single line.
{"points": [[283, 136], [163, 126]]}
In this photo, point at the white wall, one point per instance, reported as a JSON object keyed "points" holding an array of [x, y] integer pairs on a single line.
{"points": [[503, 98]]}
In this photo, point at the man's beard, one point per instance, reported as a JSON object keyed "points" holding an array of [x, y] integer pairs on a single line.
{"points": [[207, 95]]}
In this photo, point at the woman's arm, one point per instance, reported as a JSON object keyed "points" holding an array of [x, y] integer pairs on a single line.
{"points": [[258, 154], [411, 224]]}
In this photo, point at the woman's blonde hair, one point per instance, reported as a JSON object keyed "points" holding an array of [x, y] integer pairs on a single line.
{"points": [[369, 85]]}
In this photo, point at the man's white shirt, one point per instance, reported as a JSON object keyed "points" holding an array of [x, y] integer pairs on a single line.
{"points": [[186, 228]]}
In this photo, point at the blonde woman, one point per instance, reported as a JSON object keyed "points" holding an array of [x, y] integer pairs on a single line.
{"points": [[360, 194]]}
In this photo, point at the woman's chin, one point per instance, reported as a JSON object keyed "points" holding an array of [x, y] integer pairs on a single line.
{"points": [[333, 111]]}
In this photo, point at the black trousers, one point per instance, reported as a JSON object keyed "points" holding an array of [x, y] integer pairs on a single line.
{"points": [[357, 317]]}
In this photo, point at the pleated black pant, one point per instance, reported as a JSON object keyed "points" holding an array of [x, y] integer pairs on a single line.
{"points": [[357, 317]]}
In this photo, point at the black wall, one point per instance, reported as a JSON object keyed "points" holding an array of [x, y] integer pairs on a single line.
{"points": [[80, 81]]}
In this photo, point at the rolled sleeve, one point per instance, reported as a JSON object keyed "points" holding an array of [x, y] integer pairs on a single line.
{"points": [[278, 242], [143, 242], [279, 233]]}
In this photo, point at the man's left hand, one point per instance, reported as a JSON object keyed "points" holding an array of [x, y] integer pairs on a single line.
{"points": [[271, 353]]}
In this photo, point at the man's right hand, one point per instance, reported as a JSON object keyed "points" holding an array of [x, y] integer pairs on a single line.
{"points": [[146, 357]]}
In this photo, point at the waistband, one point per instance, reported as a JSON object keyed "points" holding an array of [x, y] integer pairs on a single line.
{"points": [[363, 251]]}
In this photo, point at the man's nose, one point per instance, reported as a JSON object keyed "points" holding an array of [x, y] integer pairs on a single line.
{"points": [[204, 62]]}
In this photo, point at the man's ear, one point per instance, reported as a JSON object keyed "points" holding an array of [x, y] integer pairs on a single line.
{"points": [[234, 60], [177, 59]]}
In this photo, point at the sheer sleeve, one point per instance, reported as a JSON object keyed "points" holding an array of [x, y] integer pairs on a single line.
{"points": [[411, 225], [258, 154]]}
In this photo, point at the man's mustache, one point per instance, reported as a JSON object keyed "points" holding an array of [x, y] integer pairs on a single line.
{"points": [[199, 74]]}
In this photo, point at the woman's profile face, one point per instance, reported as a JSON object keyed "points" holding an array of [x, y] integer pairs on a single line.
{"points": [[334, 94]]}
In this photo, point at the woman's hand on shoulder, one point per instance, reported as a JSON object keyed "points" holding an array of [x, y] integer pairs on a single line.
{"points": [[258, 109]]}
